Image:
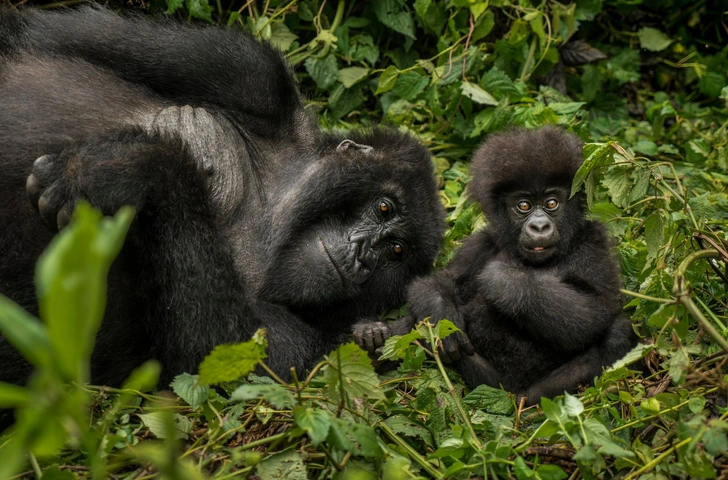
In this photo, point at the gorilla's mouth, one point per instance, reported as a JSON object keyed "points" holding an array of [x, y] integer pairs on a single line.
{"points": [[331, 260]]}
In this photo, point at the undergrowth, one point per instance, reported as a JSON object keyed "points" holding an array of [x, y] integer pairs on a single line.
{"points": [[643, 82]]}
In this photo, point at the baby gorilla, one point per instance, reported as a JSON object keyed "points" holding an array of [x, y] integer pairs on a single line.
{"points": [[535, 294]]}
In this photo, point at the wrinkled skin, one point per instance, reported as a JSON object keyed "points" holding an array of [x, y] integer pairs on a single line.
{"points": [[536, 294], [248, 215]]}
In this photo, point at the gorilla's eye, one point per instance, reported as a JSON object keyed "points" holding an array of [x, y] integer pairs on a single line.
{"points": [[397, 248], [551, 204], [386, 208], [524, 206]]}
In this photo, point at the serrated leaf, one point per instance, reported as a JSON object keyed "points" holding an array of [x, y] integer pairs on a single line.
{"points": [[491, 400], [281, 36], [641, 186], [227, 363], [324, 71], [387, 79], [572, 405], [354, 437], [652, 39], [351, 365], [286, 465], [477, 94], [405, 426], [315, 422], [614, 450], [199, 9], [409, 85], [654, 234], [639, 351], [579, 52], [391, 14], [678, 362], [444, 329], [157, 423], [352, 75], [396, 345], [188, 388], [596, 155], [274, 394]]}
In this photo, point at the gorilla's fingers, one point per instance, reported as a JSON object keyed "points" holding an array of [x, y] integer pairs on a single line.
{"points": [[465, 345], [450, 351], [33, 188], [64, 216], [49, 205]]}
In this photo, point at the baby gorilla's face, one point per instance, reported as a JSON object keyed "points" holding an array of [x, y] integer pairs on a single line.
{"points": [[535, 215]]}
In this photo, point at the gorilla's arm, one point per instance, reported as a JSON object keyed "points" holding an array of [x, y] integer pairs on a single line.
{"points": [[564, 306], [203, 66]]}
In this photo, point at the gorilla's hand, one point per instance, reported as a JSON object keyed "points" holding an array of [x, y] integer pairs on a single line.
{"points": [[371, 336], [49, 190], [454, 346]]}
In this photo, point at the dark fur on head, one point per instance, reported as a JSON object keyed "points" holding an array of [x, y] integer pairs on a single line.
{"points": [[531, 161]]}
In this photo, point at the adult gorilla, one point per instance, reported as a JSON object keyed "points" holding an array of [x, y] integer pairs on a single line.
{"points": [[248, 215]]}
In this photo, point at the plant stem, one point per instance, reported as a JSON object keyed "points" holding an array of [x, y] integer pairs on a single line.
{"points": [[427, 466]]}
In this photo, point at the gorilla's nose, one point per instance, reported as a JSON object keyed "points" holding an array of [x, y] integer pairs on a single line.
{"points": [[540, 226]]}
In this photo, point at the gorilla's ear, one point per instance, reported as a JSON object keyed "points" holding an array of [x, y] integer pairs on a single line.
{"points": [[349, 144]]}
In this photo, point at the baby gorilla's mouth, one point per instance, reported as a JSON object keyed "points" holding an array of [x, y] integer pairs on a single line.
{"points": [[539, 249]]}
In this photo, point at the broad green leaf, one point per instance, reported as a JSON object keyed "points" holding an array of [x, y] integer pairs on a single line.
{"points": [[391, 14], [352, 75], [159, 424], [521, 470], [444, 329], [651, 406], [696, 404], [641, 187], [387, 79], [350, 368], [408, 427], [173, 6], [145, 377], [654, 234], [715, 441], [477, 94], [55, 473], [409, 85], [315, 422], [274, 394], [633, 355], [678, 363], [286, 465], [550, 472], [573, 405], [188, 388], [199, 9], [652, 39], [396, 345], [614, 450], [397, 468], [281, 36], [491, 400], [324, 71], [227, 363]]}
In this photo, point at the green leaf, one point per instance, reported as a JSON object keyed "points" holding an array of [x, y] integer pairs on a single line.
{"points": [[652, 39], [12, 396], [387, 79], [227, 363], [654, 234], [354, 437], [165, 425], [521, 469], [188, 388], [409, 85], [715, 441], [650, 406], [199, 9], [350, 368], [391, 14], [396, 345], [641, 187], [25, 333], [55, 473], [491, 400], [397, 468], [281, 36], [678, 362], [573, 405], [550, 472], [696, 404], [596, 155], [145, 377], [315, 422], [71, 282], [173, 6], [477, 94], [614, 450], [405, 426], [352, 75], [274, 394], [324, 71], [444, 329], [286, 465]]}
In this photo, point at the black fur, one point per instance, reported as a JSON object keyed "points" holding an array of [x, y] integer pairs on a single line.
{"points": [[540, 321], [248, 215]]}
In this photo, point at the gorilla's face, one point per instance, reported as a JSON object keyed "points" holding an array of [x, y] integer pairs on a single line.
{"points": [[367, 223], [536, 216]]}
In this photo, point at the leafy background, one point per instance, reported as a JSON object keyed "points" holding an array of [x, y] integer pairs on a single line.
{"points": [[643, 82]]}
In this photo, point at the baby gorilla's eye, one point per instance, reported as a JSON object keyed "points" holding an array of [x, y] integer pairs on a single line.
{"points": [[397, 248], [385, 208], [552, 203], [524, 206]]}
